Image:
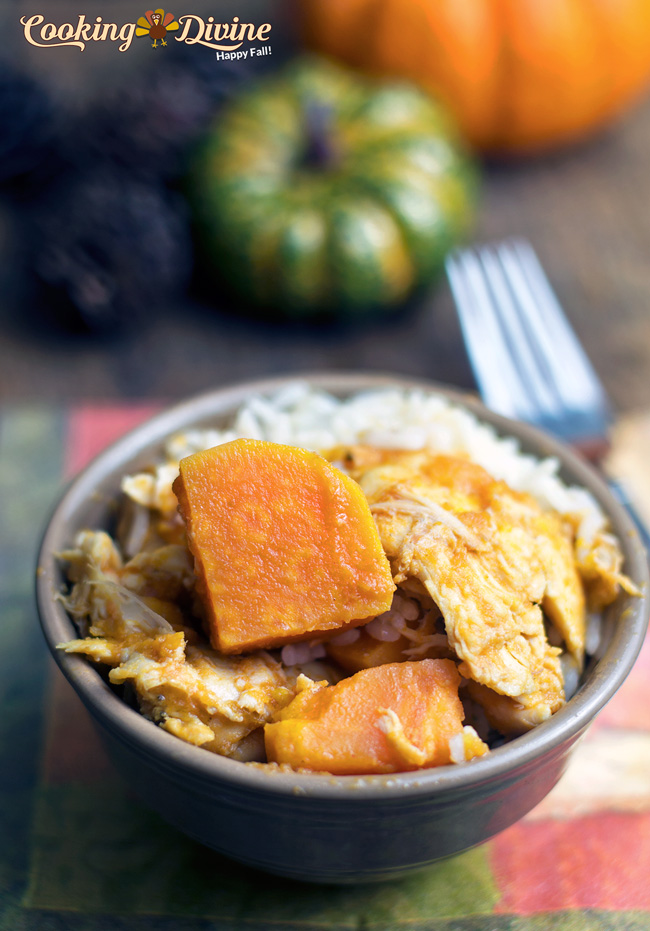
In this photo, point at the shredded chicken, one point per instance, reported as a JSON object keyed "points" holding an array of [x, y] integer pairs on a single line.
{"points": [[600, 561], [153, 489], [393, 728], [189, 689], [487, 566]]}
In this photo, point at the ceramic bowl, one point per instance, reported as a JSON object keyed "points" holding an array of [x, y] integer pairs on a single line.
{"points": [[319, 827]]}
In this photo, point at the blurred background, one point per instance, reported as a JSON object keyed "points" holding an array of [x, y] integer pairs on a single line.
{"points": [[138, 260]]}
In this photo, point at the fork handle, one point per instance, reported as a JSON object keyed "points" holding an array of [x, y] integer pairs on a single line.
{"points": [[620, 493]]}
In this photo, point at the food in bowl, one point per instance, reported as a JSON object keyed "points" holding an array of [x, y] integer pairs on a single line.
{"points": [[500, 573]]}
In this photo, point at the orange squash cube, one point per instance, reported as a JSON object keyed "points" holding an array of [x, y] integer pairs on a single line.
{"points": [[284, 545], [392, 718]]}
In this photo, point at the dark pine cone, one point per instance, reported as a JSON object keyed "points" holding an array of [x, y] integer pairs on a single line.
{"points": [[109, 249], [149, 126], [29, 126]]}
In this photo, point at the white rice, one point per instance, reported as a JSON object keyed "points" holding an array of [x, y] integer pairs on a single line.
{"points": [[398, 419], [347, 637], [297, 654], [384, 628], [457, 748]]}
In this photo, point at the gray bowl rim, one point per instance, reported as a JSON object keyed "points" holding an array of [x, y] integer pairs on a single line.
{"points": [[171, 753]]}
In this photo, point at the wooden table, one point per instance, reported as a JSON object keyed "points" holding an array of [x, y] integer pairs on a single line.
{"points": [[585, 210]]}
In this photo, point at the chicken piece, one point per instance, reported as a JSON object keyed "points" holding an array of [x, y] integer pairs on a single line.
{"points": [[105, 586], [206, 699], [190, 690], [134, 531], [95, 600], [166, 573], [599, 563], [153, 489], [446, 522], [94, 553], [513, 716], [457, 479], [597, 554], [194, 693], [563, 601]]}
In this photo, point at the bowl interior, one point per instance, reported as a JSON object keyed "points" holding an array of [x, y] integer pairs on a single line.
{"points": [[90, 502]]}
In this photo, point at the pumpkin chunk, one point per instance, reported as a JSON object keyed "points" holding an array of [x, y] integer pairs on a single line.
{"points": [[284, 544], [392, 718]]}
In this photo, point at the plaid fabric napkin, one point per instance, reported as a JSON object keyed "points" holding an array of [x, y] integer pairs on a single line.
{"points": [[79, 852]]}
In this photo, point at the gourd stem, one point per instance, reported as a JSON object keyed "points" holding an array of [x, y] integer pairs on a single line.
{"points": [[319, 150]]}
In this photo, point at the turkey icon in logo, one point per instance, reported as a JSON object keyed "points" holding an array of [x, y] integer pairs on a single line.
{"points": [[156, 24]]}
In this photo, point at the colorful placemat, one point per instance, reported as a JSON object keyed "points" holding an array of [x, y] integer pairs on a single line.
{"points": [[81, 853]]}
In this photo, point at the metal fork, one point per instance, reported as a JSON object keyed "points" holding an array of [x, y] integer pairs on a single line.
{"points": [[527, 361]]}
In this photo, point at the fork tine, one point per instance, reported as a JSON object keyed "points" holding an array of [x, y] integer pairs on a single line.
{"points": [[568, 367], [483, 338], [526, 358], [511, 308]]}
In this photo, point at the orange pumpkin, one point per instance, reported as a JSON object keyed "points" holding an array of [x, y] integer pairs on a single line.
{"points": [[521, 75]]}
